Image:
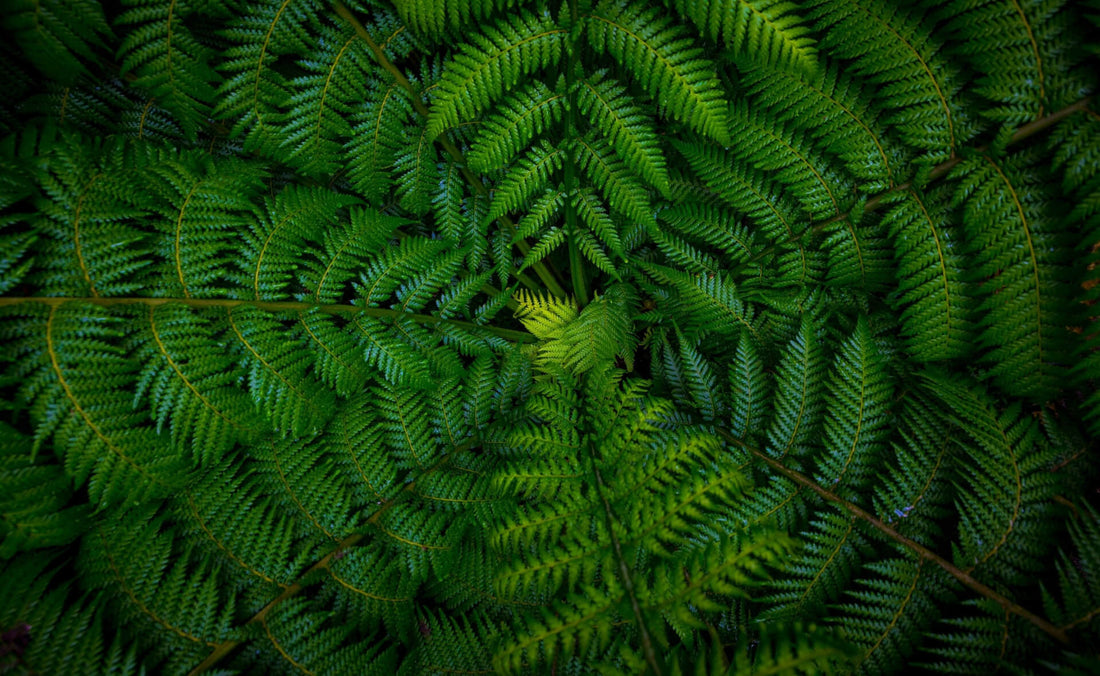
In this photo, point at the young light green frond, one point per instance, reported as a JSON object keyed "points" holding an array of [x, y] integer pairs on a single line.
{"points": [[520, 117], [1017, 246], [937, 299], [664, 59], [58, 36], [544, 317], [168, 60], [492, 62], [629, 130], [769, 32], [894, 46]]}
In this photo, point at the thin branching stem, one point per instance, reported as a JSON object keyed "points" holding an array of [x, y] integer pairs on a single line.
{"points": [[920, 550]]}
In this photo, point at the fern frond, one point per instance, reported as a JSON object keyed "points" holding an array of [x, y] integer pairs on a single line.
{"points": [[520, 117], [895, 47], [766, 31], [272, 244], [168, 60], [88, 413], [179, 602], [346, 246], [254, 88], [628, 129], [59, 37], [624, 193], [278, 373], [378, 134], [528, 176], [800, 390], [822, 568], [1010, 45], [837, 112], [202, 206], [1017, 246], [1008, 487], [35, 505], [190, 384], [938, 317], [665, 62], [857, 419], [492, 62], [899, 600]]}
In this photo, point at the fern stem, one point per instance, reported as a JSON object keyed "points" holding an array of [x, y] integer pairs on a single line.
{"points": [[272, 306], [920, 550], [940, 170], [475, 182], [576, 262], [624, 569]]}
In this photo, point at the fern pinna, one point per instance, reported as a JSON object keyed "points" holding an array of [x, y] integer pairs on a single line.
{"points": [[695, 336]]}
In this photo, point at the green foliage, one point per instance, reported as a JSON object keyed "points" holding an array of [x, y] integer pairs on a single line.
{"points": [[586, 336]]}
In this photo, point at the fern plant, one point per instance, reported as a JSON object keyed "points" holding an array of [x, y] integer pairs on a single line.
{"points": [[514, 336]]}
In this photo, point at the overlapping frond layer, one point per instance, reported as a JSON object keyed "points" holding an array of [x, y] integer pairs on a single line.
{"points": [[591, 336]]}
